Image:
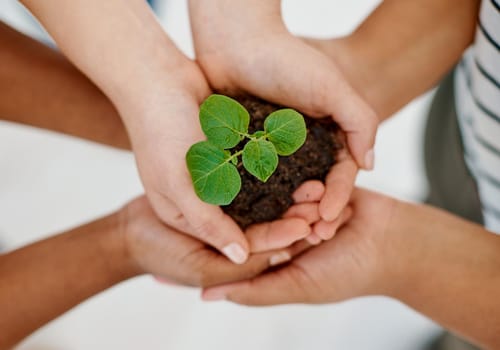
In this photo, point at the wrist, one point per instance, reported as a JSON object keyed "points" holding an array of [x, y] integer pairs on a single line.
{"points": [[357, 65], [141, 109], [222, 24], [146, 85], [112, 243]]}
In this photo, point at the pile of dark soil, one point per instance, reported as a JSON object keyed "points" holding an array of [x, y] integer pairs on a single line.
{"points": [[260, 202]]}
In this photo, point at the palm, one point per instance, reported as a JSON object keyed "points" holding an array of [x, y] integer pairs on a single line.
{"points": [[349, 260], [346, 266], [170, 127]]}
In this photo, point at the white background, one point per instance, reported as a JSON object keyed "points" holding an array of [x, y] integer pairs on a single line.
{"points": [[50, 183]]}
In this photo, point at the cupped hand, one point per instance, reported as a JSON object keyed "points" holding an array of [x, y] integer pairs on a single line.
{"points": [[244, 46], [167, 128], [158, 249], [353, 263]]}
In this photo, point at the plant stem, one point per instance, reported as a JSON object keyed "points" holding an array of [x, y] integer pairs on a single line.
{"points": [[234, 156], [251, 137]]}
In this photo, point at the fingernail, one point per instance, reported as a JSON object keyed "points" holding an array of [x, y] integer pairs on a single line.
{"points": [[235, 253], [279, 258], [370, 159], [214, 295]]}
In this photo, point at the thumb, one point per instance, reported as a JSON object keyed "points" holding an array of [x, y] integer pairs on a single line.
{"points": [[360, 123], [211, 225], [355, 117]]}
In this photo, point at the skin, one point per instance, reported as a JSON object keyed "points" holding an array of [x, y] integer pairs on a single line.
{"points": [[43, 89], [45, 279], [240, 45], [427, 38], [425, 257], [46, 91], [157, 90], [437, 263], [249, 38], [380, 251]]}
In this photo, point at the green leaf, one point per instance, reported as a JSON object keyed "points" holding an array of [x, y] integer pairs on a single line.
{"points": [[286, 129], [223, 120], [215, 179], [260, 159]]}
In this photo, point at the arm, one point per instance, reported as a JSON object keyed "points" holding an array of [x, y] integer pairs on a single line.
{"points": [[157, 90], [437, 263], [41, 88], [244, 45], [403, 49], [452, 276], [43, 280]]}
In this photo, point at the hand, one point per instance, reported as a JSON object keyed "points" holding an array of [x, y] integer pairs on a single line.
{"points": [[245, 46], [167, 128], [354, 263], [170, 255]]}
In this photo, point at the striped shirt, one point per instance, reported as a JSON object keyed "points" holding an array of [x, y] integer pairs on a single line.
{"points": [[477, 88]]}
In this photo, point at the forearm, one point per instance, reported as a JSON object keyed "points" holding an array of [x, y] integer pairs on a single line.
{"points": [[240, 16], [43, 280], [119, 45], [41, 88], [404, 48], [448, 269]]}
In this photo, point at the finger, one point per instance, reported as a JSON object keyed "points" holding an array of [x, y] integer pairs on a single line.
{"points": [[339, 185], [309, 191], [211, 225], [307, 211], [221, 271], [277, 287], [326, 230], [255, 265], [276, 234]]}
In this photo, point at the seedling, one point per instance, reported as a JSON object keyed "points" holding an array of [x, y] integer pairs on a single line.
{"points": [[212, 164]]}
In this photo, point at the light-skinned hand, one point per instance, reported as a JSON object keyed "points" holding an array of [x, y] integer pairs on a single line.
{"points": [[244, 46], [168, 128]]}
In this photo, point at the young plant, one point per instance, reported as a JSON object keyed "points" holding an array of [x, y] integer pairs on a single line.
{"points": [[212, 165]]}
